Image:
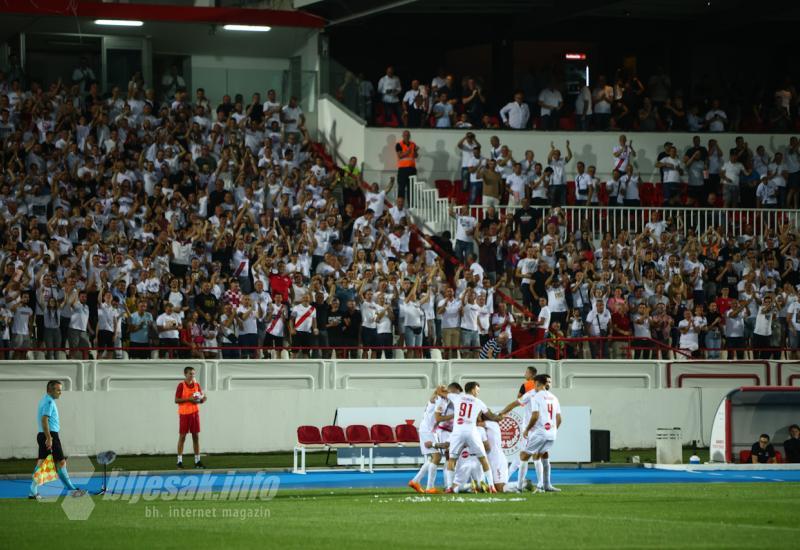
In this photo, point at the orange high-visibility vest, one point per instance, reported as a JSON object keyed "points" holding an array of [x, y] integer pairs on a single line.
{"points": [[529, 385], [186, 393], [407, 161]]}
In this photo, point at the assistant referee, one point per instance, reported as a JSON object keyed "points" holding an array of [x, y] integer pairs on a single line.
{"points": [[49, 441]]}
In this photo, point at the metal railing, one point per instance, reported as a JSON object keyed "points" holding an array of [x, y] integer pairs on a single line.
{"points": [[597, 220], [187, 350], [428, 206], [561, 348]]}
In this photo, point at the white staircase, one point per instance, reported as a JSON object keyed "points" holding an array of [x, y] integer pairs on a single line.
{"points": [[431, 211]]}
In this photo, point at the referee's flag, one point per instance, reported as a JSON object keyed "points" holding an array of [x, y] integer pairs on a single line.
{"points": [[46, 472]]}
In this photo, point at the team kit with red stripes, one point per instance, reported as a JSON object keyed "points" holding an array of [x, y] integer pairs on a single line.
{"points": [[460, 432]]}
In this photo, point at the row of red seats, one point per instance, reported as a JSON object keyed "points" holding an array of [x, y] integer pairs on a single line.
{"points": [[358, 435], [745, 457]]}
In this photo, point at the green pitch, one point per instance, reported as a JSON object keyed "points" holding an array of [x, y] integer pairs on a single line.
{"points": [[730, 515]]}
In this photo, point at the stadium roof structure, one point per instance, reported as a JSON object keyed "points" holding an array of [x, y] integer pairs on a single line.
{"points": [[172, 27], [338, 11], [176, 12]]}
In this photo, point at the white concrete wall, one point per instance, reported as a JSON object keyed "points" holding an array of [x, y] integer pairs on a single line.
{"points": [[341, 131], [439, 158], [309, 63], [221, 75], [134, 421]]}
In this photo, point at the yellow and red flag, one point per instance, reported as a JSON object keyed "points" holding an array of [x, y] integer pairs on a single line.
{"points": [[46, 472]]}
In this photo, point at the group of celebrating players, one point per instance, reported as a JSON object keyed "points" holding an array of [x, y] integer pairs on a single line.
{"points": [[458, 426]]}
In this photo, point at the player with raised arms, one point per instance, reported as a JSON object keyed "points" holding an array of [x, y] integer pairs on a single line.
{"points": [[467, 408], [545, 422], [524, 399]]}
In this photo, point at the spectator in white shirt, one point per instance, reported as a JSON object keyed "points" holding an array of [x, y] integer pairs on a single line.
{"points": [[75, 303], [629, 187], [550, 103], [602, 97], [729, 176], [443, 112], [672, 170], [583, 108], [293, 118], [623, 153], [389, 87], [598, 325], [558, 183], [411, 95], [465, 229], [168, 325], [716, 119], [476, 163], [515, 115], [83, 75], [777, 178], [466, 145], [763, 327], [470, 312]]}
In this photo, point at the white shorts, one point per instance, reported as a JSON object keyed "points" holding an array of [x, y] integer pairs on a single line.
{"points": [[470, 441], [442, 436], [499, 466], [537, 445], [424, 437], [467, 469]]}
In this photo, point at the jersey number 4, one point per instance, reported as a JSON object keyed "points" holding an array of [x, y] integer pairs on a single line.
{"points": [[465, 410], [550, 410]]}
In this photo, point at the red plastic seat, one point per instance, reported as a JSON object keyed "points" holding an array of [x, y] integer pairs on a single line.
{"points": [[570, 192], [444, 188], [358, 434], [744, 457], [309, 435], [568, 123], [382, 434], [407, 433], [333, 436]]}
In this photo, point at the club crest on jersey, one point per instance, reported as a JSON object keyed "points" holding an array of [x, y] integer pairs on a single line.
{"points": [[460, 421], [511, 433], [547, 426]]}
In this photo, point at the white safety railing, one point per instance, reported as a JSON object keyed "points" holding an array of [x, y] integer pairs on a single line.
{"points": [[429, 208], [598, 220], [434, 212], [397, 374]]}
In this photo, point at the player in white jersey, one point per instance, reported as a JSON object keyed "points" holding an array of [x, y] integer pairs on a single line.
{"points": [[429, 447], [497, 460], [524, 397], [444, 416], [468, 409], [543, 428], [468, 473]]}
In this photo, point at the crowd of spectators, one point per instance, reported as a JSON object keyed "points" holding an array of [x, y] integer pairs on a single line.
{"points": [[623, 102], [700, 175], [127, 222]]}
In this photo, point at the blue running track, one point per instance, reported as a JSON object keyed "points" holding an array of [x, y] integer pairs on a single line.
{"points": [[121, 484]]}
